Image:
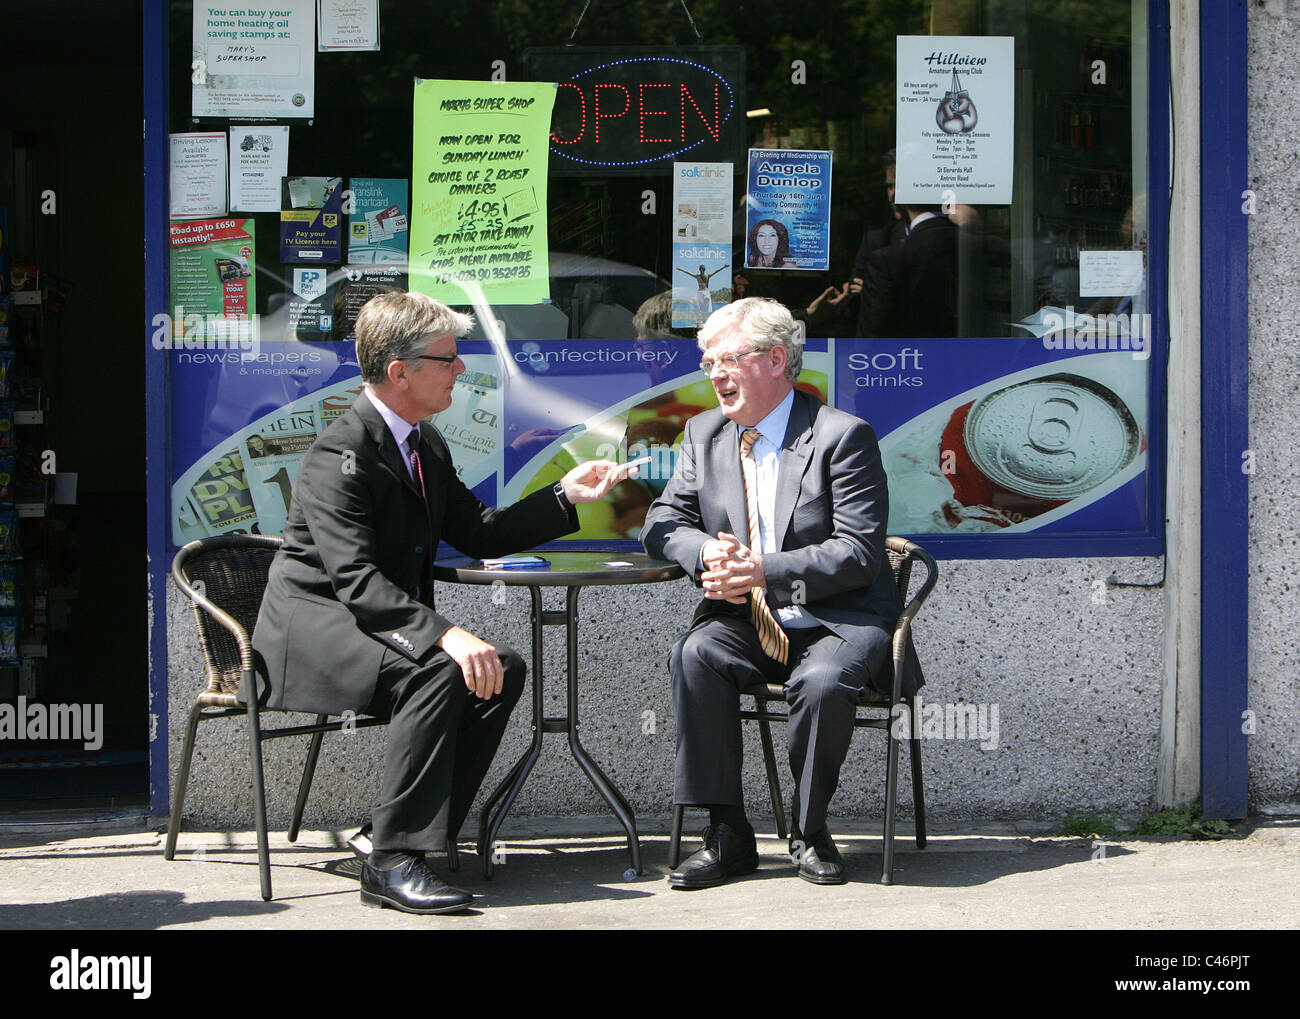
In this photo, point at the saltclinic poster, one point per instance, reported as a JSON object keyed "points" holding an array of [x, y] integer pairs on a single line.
{"points": [[701, 226]]}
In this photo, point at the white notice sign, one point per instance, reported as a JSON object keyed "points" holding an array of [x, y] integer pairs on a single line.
{"points": [[347, 25], [198, 175], [259, 157], [955, 101], [1110, 273], [254, 61]]}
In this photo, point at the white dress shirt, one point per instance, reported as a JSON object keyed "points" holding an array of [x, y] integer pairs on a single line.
{"points": [[399, 426]]}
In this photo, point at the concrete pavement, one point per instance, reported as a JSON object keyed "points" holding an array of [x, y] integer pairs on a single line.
{"points": [[556, 874]]}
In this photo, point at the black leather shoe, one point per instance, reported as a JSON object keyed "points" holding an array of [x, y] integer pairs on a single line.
{"points": [[411, 887], [726, 853], [360, 843], [819, 861]]}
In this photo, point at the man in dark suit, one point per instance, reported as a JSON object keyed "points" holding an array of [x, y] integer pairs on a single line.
{"points": [[778, 509], [348, 621], [876, 238], [910, 286]]}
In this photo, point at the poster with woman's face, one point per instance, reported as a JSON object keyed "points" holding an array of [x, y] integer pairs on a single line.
{"points": [[788, 210]]}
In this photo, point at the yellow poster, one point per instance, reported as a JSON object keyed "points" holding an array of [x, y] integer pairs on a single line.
{"points": [[478, 190]]}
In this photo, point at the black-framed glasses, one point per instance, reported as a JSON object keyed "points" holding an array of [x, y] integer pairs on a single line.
{"points": [[728, 361], [436, 357]]}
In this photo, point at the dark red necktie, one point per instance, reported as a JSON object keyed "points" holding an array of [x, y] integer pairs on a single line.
{"points": [[417, 474], [413, 457]]}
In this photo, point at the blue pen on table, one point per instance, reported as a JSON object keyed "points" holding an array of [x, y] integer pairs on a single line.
{"points": [[517, 562]]}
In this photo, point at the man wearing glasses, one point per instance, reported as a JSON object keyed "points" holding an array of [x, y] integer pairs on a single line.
{"points": [[778, 509], [348, 623]]}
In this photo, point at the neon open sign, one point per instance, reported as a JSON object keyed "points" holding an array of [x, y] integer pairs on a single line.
{"points": [[638, 112]]}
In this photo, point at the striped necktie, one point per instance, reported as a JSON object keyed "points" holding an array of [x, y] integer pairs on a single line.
{"points": [[771, 637]]}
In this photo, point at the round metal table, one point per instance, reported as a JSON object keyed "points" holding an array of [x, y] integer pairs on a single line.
{"points": [[573, 570]]}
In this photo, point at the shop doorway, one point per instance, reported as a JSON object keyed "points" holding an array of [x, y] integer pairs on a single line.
{"points": [[73, 611]]}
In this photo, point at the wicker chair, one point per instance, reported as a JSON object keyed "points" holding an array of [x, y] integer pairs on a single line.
{"points": [[901, 554], [224, 579]]}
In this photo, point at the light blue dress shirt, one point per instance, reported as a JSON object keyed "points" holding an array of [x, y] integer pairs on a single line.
{"points": [[767, 458]]}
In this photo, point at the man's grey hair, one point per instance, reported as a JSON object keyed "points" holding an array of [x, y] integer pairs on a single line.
{"points": [[399, 327], [765, 323]]}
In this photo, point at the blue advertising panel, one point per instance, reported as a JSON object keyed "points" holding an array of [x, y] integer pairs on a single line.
{"points": [[1013, 439], [1003, 437], [524, 413]]}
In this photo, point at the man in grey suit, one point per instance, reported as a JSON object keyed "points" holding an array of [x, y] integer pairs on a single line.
{"points": [[348, 621], [778, 509]]}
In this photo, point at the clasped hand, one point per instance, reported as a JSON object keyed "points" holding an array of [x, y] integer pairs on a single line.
{"points": [[731, 569]]}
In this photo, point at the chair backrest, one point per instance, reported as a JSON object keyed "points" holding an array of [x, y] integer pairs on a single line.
{"points": [[225, 578]]}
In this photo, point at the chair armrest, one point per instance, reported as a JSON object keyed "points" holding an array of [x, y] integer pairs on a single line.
{"points": [[902, 546]]}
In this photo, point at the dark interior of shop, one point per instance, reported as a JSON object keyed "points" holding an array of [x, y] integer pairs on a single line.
{"points": [[71, 172]]}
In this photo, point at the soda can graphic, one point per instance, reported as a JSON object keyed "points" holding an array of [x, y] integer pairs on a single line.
{"points": [[1032, 446]]}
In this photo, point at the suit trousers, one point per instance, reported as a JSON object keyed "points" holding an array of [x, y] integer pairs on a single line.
{"points": [[823, 680], [441, 741]]}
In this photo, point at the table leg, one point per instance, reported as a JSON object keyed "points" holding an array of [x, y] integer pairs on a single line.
{"points": [[603, 785], [514, 781]]}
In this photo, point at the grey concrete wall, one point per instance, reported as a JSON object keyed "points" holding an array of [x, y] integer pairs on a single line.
{"points": [[1274, 552], [1073, 666]]}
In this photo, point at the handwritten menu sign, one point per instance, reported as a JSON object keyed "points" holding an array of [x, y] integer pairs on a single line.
{"points": [[478, 190]]}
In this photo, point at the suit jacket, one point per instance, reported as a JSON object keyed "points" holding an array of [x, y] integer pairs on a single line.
{"points": [[910, 288], [875, 239], [831, 510], [352, 582]]}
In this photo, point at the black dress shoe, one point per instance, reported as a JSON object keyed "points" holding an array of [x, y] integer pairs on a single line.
{"points": [[726, 853], [360, 843], [411, 887], [819, 861]]}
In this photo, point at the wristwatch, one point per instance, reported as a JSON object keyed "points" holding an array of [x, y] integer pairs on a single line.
{"points": [[558, 489]]}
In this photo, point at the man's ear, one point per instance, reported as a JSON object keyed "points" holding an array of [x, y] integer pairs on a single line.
{"points": [[397, 372], [782, 357]]}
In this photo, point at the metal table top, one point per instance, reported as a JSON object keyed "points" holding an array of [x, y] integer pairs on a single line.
{"points": [[567, 569]]}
